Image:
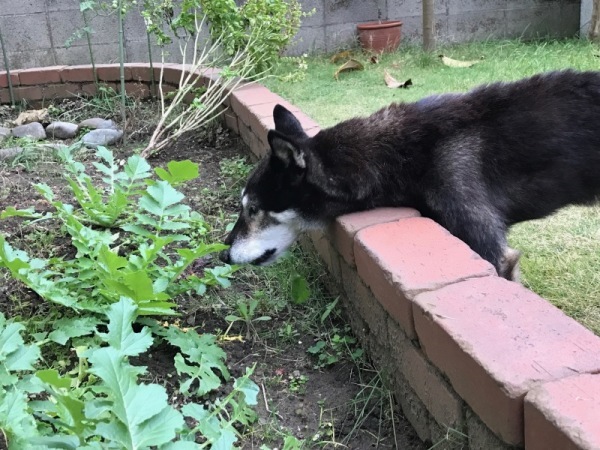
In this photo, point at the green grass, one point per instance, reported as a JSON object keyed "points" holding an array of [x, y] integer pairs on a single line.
{"points": [[561, 254]]}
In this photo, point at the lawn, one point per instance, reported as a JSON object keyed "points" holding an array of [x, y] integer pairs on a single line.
{"points": [[561, 254]]}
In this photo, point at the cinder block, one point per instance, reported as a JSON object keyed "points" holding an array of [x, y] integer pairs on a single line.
{"points": [[564, 414], [308, 40], [326, 252], [375, 317], [257, 147], [341, 36], [412, 407], [397, 260], [481, 437], [495, 340], [231, 121], [477, 25], [439, 398], [345, 227], [345, 12]]}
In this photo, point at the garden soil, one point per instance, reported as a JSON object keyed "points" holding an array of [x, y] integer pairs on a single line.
{"points": [[320, 405]]}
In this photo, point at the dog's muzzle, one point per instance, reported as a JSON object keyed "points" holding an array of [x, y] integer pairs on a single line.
{"points": [[225, 256]]}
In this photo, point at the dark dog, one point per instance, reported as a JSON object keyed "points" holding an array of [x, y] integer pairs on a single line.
{"points": [[476, 163]]}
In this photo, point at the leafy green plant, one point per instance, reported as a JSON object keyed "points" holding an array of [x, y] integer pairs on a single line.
{"points": [[246, 311], [193, 105], [152, 272], [340, 345], [337, 344], [297, 383], [275, 23], [102, 404]]}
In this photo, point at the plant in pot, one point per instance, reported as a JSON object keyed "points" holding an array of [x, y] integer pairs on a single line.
{"points": [[380, 36]]}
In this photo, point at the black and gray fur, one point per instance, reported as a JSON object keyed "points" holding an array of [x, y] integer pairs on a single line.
{"points": [[476, 163]]}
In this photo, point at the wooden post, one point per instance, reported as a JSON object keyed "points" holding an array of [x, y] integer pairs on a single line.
{"points": [[594, 33], [428, 25]]}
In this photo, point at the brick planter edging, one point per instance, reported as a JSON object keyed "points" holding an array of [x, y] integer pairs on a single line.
{"points": [[462, 348]]}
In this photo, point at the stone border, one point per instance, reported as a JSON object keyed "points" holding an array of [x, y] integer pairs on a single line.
{"points": [[462, 348]]}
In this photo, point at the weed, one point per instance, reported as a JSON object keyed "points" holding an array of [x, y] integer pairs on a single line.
{"points": [[151, 274], [28, 153], [297, 383], [337, 345], [246, 311]]}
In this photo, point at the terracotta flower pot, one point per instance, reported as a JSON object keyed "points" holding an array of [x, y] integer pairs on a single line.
{"points": [[381, 36]]}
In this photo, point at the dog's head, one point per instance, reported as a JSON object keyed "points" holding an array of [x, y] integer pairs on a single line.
{"points": [[273, 204]]}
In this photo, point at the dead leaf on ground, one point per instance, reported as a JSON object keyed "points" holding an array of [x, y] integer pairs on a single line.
{"points": [[34, 115], [351, 64], [346, 54], [393, 83], [457, 63]]}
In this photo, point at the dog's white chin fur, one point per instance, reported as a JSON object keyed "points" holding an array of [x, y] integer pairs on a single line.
{"points": [[277, 237]]}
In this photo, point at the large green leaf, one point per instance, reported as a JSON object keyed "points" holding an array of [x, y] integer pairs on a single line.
{"points": [[178, 172], [144, 417], [120, 334]]}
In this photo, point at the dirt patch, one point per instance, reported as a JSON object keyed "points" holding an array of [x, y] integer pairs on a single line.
{"points": [[329, 406]]}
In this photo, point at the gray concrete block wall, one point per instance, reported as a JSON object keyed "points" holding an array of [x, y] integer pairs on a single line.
{"points": [[35, 31]]}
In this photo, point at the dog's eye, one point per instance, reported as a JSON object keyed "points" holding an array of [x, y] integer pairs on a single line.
{"points": [[252, 210]]}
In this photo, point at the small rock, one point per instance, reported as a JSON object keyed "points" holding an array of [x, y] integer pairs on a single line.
{"points": [[11, 152], [61, 130], [97, 123], [34, 115], [102, 137], [33, 130]]}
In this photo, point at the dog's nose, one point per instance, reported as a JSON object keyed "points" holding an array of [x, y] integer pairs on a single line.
{"points": [[225, 256]]}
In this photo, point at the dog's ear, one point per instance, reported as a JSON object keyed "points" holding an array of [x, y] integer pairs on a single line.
{"points": [[285, 150], [286, 122]]}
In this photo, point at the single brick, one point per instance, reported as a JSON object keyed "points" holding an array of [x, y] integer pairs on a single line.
{"points": [[4, 96], [480, 435], [439, 398], [112, 72], [249, 95], [345, 228], [14, 78], [137, 90], [397, 260], [327, 253], [77, 74], [62, 90], [231, 121], [89, 89], [564, 414], [210, 75], [141, 71], [29, 93], [495, 340], [38, 76], [172, 74], [367, 307], [258, 147]]}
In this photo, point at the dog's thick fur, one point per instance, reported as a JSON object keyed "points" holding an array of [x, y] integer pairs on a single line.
{"points": [[476, 163]]}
